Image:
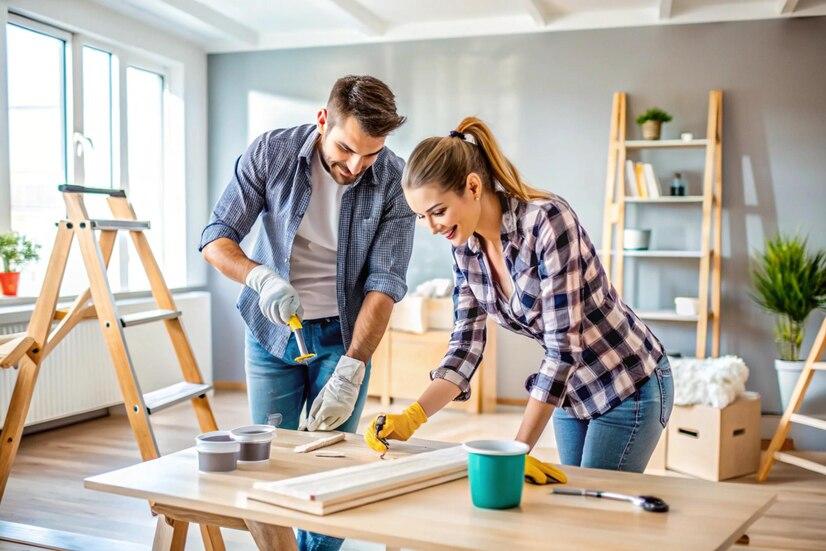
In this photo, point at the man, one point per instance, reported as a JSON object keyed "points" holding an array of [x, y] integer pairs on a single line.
{"points": [[335, 240]]}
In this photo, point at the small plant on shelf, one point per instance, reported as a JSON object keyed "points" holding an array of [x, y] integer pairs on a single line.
{"points": [[651, 122], [15, 250]]}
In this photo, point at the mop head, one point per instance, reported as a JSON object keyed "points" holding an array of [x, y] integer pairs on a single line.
{"points": [[715, 382]]}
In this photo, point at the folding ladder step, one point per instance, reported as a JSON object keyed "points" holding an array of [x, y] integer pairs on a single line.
{"points": [[815, 422], [131, 225], [14, 349], [149, 316], [71, 188], [169, 396], [793, 459], [819, 365]]}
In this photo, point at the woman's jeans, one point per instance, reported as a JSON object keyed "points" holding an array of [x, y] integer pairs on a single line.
{"points": [[279, 385], [623, 438]]}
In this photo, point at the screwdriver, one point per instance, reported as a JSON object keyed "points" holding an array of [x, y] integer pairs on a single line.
{"points": [[298, 330], [380, 422]]}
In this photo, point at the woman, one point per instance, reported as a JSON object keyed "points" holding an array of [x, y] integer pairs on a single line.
{"points": [[522, 257]]}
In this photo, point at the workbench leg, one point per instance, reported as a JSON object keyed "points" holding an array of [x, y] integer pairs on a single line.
{"points": [[212, 538], [269, 537], [170, 535]]}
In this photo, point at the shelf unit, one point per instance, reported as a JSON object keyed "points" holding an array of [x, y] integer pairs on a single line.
{"points": [[613, 254]]}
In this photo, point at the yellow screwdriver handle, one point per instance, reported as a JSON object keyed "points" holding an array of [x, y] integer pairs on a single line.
{"points": [[295, 323]]}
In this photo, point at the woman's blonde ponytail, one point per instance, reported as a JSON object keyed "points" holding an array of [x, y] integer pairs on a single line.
{"points": [[501, 168], [447, 161]]}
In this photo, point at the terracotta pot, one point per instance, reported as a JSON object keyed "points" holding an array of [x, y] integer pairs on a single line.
{"points": [[651, 130], [9, 281]]}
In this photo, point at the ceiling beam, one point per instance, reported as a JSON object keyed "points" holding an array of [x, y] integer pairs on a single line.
{"points": [[787, 6], [215, 20], [369, 22], [665, 9], [537, 11]]}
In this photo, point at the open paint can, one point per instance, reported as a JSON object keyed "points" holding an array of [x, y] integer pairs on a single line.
{"points": [[496, 469], [254, 440], [217, 451]]}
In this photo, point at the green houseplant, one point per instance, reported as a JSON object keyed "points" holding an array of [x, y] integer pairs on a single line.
{"points": [[15, 250], [789, 282], [651, 122]]}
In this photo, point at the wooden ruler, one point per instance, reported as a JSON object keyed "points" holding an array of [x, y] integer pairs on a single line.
{"points": [[348, 487]]}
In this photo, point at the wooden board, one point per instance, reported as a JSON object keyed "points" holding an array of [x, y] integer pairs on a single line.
{"points": [[348, 487]]}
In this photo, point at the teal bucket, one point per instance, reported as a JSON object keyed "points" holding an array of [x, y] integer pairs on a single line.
{"points": [[496, 469]]}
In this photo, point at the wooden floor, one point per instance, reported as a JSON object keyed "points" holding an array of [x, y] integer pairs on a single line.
{"points": [[46, 486]]}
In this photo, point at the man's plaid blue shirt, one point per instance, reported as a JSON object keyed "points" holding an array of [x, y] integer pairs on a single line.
{"points": [[597, 351], [272, 182]]}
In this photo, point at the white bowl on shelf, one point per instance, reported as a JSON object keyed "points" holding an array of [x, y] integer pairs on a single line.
{"points": [[687, 306]]}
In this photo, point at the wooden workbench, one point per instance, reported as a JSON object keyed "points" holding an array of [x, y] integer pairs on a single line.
{"points": [[704, 515]]}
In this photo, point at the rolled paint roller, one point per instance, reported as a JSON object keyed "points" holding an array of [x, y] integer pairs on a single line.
{"points": [[298, 330]]}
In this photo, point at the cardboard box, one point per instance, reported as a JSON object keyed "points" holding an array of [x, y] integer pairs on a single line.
{"points": [[715, 444]]}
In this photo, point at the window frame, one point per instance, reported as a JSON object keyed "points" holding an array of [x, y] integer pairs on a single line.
{"points": [[121, 59]]}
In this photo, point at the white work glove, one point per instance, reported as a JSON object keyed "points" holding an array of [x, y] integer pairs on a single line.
{"points": [[335, 403], [277, 299]]}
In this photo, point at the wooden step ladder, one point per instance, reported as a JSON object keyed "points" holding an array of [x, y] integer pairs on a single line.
{"points": [[48, 326], [773, 453]]}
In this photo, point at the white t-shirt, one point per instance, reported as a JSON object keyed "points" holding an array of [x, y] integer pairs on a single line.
{"points": [[314, 255]]}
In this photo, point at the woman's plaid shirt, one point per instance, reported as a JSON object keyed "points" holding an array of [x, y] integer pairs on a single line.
{"points": [[597, 351]]}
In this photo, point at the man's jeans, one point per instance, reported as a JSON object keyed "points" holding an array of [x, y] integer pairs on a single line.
{"points": [[279, 385]]}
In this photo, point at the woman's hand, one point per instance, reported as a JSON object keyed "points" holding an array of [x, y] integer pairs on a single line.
{"points": [[396, 427], [537, 472]]}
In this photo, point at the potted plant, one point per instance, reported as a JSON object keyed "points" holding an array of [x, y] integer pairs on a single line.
{"points": [[15, 250], [789, 282], [651, 122]]}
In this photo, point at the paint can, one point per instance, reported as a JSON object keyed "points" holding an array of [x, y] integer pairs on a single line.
{"points": [[254, 440], [217, 451]]}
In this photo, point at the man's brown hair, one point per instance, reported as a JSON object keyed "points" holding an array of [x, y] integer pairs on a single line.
{"points": [[367, 99]]}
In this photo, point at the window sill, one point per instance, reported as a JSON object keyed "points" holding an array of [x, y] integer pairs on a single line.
{"points": [[19, 309]]}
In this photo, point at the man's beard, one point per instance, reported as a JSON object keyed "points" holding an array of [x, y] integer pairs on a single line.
{"points": [[336, 169]]}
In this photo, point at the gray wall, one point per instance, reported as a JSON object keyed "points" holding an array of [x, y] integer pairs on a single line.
{"points": [[548, 98]]}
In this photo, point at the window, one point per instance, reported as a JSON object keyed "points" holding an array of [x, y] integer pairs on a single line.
{"points": [[97, 118], [144, 93], [93, 114], [37, 138]]}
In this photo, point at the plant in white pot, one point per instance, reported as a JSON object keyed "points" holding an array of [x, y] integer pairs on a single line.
{"points": [[15, 250], [789, 282]]}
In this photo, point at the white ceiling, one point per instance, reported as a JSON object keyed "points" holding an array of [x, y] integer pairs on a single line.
{"points": [[241, 25]]}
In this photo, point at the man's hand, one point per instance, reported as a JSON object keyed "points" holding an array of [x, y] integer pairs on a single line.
{"points": [[277, 299], [335, 403]]}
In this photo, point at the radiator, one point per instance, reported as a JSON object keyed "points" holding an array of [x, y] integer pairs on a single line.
{"points": [[78, 376]]}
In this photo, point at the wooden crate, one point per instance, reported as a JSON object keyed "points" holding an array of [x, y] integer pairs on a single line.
{"points": [[713, 443]]}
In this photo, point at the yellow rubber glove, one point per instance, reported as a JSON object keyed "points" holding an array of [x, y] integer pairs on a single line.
{"points": [[396, 426], [537, 472]]}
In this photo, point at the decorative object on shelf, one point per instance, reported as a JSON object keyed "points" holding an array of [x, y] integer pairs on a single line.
{"points": [[621, 193], [678, 185], [15, 250], [636, 240], [687, 306], [789, 282], [651, 122], [715, 382], [686, 136]]}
